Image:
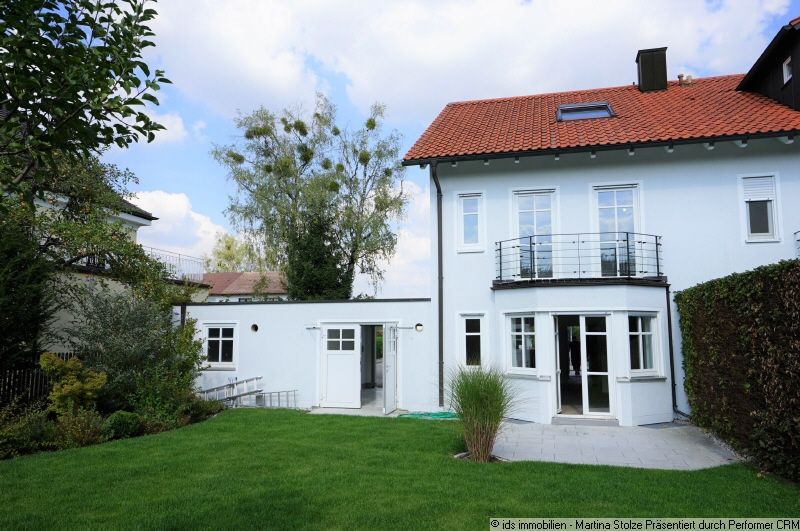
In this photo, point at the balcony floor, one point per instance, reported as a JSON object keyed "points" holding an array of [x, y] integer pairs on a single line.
{"points": [[594, 281]]}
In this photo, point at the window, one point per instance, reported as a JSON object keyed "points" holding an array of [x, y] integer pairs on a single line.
{"points": [[469, 222], [472, 340], [759, 197], [535, 230], [640, 330], [219, 344], [523, 342], [617, 220], [584, 111], [341, 339], [787, 69]]}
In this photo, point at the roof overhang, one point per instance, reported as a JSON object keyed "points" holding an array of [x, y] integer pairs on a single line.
{"points": [[602, 147]]}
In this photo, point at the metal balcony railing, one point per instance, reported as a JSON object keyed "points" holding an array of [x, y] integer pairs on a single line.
{"points": [[579, 256], [179, 266]]}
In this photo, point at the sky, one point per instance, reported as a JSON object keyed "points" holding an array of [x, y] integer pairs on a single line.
{"points": [[227, 57]]}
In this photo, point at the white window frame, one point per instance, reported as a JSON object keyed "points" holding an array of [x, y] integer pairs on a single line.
{"points": [[786, 69], [744, 213], [220, 365], [461, 246], [509, 344], [654, 329], [554, 222], [462, 338]]}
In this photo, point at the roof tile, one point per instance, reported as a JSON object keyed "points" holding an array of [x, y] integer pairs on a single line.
{"points": [[708, 108]]}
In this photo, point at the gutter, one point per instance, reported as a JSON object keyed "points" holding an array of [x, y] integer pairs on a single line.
{"points": [[791, 134], [672, 359], [439, 280]]}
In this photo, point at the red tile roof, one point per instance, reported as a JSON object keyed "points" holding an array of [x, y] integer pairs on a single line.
{"points": [[708, 108], [243, 283]]}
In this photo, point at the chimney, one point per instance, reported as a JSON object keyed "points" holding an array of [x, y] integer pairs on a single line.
{"points": [[652, 68]]}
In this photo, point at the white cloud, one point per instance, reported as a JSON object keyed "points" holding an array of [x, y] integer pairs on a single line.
{"points": [[417, 55], [408, 273], [178, 228], [174, 130]]}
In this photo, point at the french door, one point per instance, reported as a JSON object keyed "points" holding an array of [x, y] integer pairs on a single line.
{"points": [[534, 225], [582, 361], [596, 384], [618, 223]]}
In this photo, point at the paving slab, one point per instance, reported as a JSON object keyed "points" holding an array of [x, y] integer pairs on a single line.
{"points": [[670, 446]]}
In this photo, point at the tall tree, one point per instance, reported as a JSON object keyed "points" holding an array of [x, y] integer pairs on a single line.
{"points": [[232, 254], [283, 165], [73, 82]]}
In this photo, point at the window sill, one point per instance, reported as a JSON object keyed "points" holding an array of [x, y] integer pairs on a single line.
{"points": [[765, 240], [641, 378], [220, 368], [465, 250], [527, 376]]}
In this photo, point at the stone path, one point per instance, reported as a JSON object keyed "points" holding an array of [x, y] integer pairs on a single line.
{"points": [[664, 446]]}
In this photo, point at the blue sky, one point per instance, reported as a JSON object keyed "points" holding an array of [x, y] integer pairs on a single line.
{"points": [[414, 56]]}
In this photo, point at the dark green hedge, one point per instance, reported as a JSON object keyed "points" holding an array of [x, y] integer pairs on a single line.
{"points": [[741, 354]]}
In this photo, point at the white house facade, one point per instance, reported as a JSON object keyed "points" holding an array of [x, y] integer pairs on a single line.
{"points": [[562, 226]]}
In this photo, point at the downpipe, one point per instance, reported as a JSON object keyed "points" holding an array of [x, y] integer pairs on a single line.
{"points": [[678, 412], [440, 280]]}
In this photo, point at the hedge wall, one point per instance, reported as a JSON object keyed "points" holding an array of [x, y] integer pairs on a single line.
{"points": [[741, 354]]}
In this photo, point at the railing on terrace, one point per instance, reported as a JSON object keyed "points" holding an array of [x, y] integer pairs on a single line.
{"points": [[579, 256], [179, 266]]}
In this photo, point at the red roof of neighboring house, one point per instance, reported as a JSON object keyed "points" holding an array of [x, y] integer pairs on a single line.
{"points": [[708, 108], [243, 283]]}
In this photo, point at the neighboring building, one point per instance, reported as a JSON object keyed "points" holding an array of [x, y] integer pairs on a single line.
{"points": [[563, 224], [245, 287]]}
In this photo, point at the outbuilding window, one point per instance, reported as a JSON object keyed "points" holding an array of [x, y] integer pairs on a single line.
{"points": [[220, 344]]}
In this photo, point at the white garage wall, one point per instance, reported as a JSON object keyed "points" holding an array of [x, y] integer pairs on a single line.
{"points": [[285, 349]]}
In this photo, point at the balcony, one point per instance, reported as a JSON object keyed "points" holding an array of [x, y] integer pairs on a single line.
{"points": [[598, 257], [179, 266]]}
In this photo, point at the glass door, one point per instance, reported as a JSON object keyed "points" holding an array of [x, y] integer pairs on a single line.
{"points": [[534, 212], [617, 226], [596, 383]]}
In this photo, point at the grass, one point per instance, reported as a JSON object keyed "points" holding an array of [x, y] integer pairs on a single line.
{"points": [[281, 469]]}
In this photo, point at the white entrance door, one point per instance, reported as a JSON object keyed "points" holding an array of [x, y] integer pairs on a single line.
{"points": [[389, 369], [341, 365]]}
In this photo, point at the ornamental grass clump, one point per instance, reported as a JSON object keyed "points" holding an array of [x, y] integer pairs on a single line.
{"points": [[481, 399]]}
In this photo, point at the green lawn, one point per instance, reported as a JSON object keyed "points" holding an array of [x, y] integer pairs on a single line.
{"points": [[261, 468]]}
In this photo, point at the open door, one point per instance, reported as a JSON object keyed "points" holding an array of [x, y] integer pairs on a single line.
{"points": [[389, 369], [341, 363]]}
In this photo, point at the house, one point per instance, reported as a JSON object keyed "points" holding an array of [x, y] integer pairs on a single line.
{"points": [[244, 286], [563, 225]]}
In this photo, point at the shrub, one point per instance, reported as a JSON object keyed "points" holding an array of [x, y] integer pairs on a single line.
{"points": [[73, 385], [82, 427], [741, 356], [122, 424], [24, 430], [151, 363], [481, 399]]}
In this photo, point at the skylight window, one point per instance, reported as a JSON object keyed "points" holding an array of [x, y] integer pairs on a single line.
{"points": [[584, 111]]}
